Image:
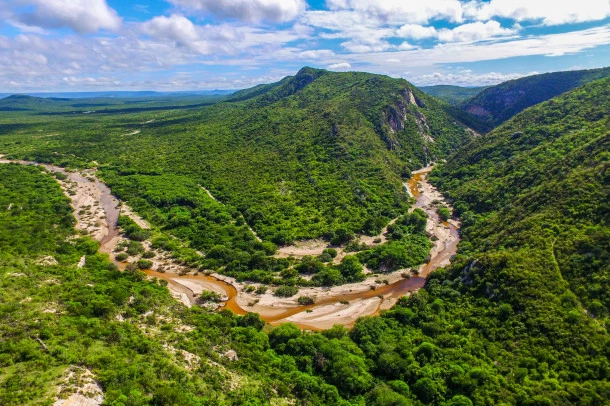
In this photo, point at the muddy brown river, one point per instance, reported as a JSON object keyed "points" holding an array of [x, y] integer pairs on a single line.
{"points": [[445, 248]]}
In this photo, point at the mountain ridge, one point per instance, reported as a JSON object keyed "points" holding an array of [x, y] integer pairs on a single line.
{"points": [[499, 103]]}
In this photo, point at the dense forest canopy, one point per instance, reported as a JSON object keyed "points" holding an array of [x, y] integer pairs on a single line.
{"points": [[519, 317], [499, 103], [452, 94], [304, 158]]}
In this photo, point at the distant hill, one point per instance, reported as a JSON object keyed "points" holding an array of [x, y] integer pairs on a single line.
{"points": [[24, 102], [122, 94], [302, 158], [452, 94], [534, 261], [104, 102], [499, 103]]}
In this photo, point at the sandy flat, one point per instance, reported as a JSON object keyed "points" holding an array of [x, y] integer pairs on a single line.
{"points": [[326, 316]]}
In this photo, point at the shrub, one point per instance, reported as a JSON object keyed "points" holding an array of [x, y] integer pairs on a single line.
{"points": [[286, 291], [443, 212], [144, 264], [121, 257], [261, 290], [330, 251], [132, 230], [306, 300], [148, 254], [135, 248], [208, 296]]}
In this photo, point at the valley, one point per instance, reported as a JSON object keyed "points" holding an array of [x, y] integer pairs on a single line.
{"points": [[291, 244], [341, 305]]}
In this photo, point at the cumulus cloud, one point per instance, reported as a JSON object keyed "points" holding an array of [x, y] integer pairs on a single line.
{"points": [[466, 78], [403, 11], [474, 32], [82, 16], [252, 11], [416, 31], [178, 29], [316, 54], [555, 13], [223, 39], [342, 66]]}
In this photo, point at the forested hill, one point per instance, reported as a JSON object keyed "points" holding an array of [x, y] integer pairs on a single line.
{"points": [[315, 154], [534, 262], [499, 103], [452, 94]]}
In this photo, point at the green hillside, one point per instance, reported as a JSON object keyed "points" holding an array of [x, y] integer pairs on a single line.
{"points": [[453, 95], [104, 104], [142, 347], [317, 154], [499, 103], [519, 318], [533, 266]]}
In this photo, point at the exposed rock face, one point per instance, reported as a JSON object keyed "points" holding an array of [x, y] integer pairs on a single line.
{"points": [[232, 355], [396, 115], [47, 261], [478, 111]]}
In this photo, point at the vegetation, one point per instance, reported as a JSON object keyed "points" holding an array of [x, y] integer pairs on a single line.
{"points": [[453, 95], [533, 198], [497, 104], [286, 291], [520, 317], [408, 245], [320, 154]]}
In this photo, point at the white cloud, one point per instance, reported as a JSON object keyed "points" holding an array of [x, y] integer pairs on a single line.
{"points": [[176, 28], [416, 31], [316, 54], [252, 11], [465, 78], [405, 46], [366, 45], [403, 11], [550, 13], [458, 52], [342, 66], [474, 32], [219, 40], [82, 16]]}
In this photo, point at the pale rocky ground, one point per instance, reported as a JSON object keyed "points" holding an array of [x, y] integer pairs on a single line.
{"points": [[79, 389]]}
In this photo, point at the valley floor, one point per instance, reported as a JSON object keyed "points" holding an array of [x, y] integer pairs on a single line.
{"points": [[97, 211]]}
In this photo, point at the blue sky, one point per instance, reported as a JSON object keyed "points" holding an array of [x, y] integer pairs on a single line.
{"points": [[89, 45]]}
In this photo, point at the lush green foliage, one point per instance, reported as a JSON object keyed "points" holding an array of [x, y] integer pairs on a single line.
{"points": [[129, 332], [534, 199], [499, 103], [453, 95], [312, 156], [520, 317]]}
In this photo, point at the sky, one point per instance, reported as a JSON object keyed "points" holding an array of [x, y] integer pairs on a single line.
{"points": [[168, 45]]}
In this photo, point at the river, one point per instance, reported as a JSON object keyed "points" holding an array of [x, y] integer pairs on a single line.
{"points": [[338, 305]]}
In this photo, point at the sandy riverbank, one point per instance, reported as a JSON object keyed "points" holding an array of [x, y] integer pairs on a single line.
{"points": [[96, 211]]}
